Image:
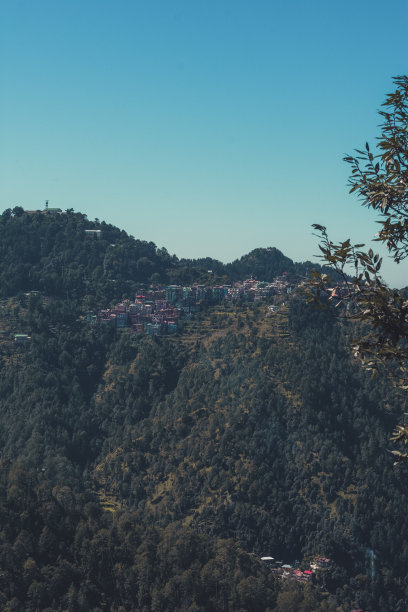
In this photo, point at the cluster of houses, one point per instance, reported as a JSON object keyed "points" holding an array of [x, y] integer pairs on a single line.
{"points": [[286, 570], [144, 315], [158, 310], [256, 291]]}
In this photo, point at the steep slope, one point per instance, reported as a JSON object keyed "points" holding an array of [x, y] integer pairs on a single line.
{"points": [[276, 441], [151, 473]]}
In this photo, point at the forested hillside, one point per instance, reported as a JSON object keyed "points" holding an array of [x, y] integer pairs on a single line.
{"points": [[152, 473], [50, 252]]}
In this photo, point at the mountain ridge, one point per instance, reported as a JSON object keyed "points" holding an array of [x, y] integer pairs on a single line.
{"points": [[52, 252]]}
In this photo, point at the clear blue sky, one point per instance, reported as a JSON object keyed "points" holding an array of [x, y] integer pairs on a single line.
{"points": [[209, 127]]}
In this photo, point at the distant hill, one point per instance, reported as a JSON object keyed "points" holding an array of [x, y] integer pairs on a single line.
{"points": [[55, 252]]}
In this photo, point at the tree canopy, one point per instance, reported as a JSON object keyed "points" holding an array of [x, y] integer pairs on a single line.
{"points": [[380, 179]]}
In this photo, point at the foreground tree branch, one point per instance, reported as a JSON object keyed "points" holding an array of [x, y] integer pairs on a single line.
{"points": [[355, 289]]}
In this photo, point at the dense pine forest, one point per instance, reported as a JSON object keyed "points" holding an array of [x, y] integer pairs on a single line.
{"points": [[153, 473]]}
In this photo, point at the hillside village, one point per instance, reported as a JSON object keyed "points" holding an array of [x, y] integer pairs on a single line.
{"points": [[292, 570], [158, 310]]}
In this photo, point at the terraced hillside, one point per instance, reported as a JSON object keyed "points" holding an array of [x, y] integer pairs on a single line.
{"points": [[258, 439]]}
